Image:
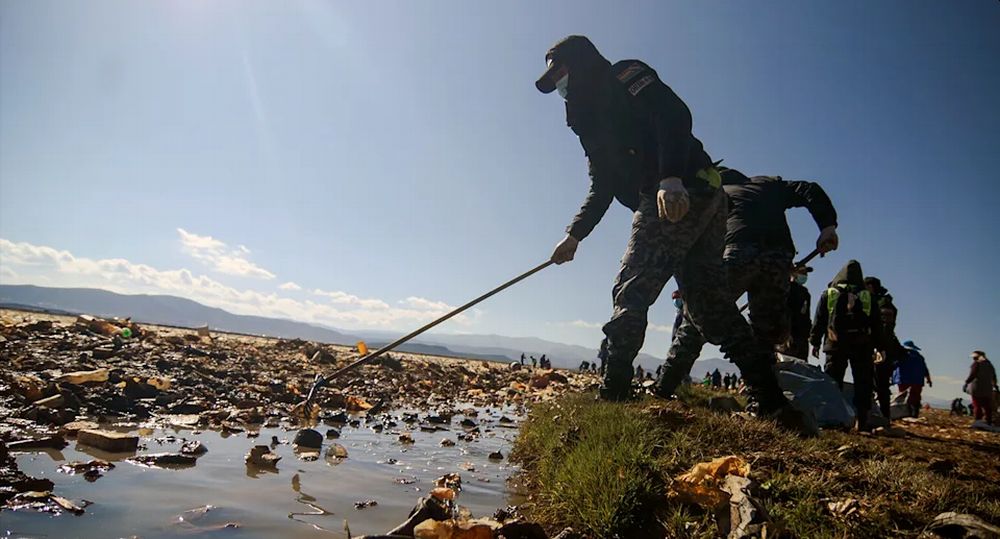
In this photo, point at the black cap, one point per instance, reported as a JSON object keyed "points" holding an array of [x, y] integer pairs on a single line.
{"points": [[577, 54]]}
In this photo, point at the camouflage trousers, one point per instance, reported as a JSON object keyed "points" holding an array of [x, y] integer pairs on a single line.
{"points": [[764, 276], [690, 250]]}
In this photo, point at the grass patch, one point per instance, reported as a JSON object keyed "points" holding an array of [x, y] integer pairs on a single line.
{"points": [[604, 469]]}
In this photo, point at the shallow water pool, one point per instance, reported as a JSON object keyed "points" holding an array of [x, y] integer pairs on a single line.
{"points": [[222, 497]]}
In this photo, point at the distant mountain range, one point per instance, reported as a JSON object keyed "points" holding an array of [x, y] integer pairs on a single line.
{"points": [[176, 311]]}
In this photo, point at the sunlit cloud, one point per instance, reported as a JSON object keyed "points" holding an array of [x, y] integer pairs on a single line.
{"points": [[216, 254], [26, 263]]}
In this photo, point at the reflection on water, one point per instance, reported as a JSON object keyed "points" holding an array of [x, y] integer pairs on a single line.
{"points": [[222, 496]]}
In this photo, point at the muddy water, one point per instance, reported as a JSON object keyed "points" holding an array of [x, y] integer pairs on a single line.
{"points": [[221, 497]]}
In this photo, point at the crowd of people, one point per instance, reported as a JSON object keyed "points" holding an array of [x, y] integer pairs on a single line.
{"points": [[719, 234]]}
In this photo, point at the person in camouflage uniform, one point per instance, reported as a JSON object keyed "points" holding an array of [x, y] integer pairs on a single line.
{"points": [[636, 133], [758, 262], [893, 350]]}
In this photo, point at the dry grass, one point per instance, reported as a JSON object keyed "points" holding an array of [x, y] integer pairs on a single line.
{"points": [[604, 469]]}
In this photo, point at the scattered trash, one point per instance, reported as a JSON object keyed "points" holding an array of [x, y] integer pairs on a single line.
{"points": [[91, 470], [364, 504], [406, 438], [957, 525], [48, 442], [702, 484], [84, 377]]}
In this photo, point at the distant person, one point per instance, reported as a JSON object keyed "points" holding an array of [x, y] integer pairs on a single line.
{"points": [[799, 315], [522, 358], [585, 366], [910, 374], [534, 362], [639, 372], [602, 354], [848, 326], [716, 379], [707, 380], [885, 364], [957, 407], [593, 368], [679, 318], [544, 361], [981, 384], [725, 381]]}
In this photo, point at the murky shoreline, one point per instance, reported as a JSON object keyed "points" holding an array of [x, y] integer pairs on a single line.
{"points": [[302, 498]]}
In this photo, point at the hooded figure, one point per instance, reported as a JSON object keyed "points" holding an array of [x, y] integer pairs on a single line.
{"points": [[848, 320], [637, 135]]}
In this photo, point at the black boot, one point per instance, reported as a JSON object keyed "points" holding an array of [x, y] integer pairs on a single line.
{"points": [[668, 382], [617, 386]]}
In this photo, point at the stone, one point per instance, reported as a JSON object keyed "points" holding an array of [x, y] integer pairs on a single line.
{"points": [[73, 427], [262, 457], [164, 459], [332, 434], [308, 438], [960, 525], [110, 441], [48, 442], [496, 455], [193, 447], [83, 377]]}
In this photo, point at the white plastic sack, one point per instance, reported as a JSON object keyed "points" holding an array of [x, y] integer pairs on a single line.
{"points": [[809, 388]]}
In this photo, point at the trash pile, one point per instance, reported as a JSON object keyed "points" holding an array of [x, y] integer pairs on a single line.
{"points": [[66, 378]]}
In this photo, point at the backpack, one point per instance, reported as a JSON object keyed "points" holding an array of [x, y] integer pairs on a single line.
{"points": [[850, 313]]}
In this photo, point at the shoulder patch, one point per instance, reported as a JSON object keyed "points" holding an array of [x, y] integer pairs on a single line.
{"points": [[630, 72], [638, 85]]}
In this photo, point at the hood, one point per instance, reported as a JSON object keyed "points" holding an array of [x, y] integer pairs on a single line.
{"points": [[850, 274], [585, 63], [876, 284]]}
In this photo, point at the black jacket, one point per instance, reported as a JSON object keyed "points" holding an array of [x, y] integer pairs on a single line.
{"points": [[850, 275], [757, 209], [635, 131]]}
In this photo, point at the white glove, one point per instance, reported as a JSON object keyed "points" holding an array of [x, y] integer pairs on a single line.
{"points": [[828, 240], [565, 250], [672, 200]]}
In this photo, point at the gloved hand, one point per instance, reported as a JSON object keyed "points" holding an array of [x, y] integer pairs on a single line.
{"points": [[815, 352], [565, 250], [828, 240], [672, 201]]}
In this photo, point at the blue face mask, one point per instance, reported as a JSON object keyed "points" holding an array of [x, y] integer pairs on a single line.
{"points": [[679, 303], [801, 278]]}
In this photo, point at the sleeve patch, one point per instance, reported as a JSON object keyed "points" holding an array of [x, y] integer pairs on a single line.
{"points": [[630, 72], [638, 85]]}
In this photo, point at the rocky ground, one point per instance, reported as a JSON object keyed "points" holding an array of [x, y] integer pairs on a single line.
{"points": [[64, 376]]}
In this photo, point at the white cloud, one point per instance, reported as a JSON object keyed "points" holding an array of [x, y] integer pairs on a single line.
{"points": [[584, 324], [220, 257], [343, 298], [290, 286], [423, 304], [25, 263]]}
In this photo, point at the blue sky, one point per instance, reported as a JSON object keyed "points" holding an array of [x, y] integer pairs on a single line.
{"points": [[393, 159]]}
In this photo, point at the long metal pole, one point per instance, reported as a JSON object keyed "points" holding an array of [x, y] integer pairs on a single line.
{"points": [[321, 380]]}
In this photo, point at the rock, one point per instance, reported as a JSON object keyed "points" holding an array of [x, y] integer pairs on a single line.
{"points": [[364, 504], [332, 434], [91, 470], [308, 438], [73, 427], [262, 457], [336, 453], [725, 404], [406, 438], [496, 455], [110, 441], [48, 442], [164, 459], [960, 526], [447, 442], [455, 529]]}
